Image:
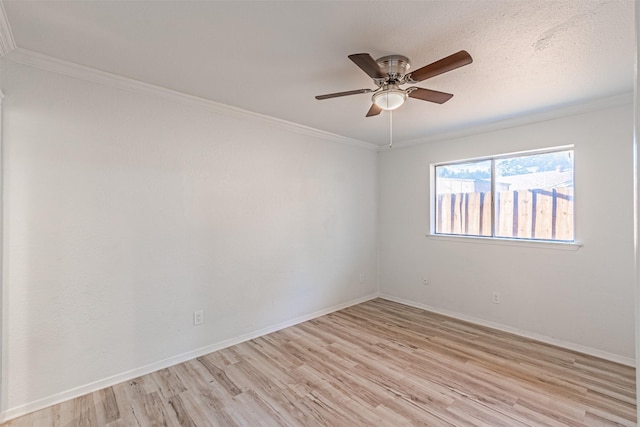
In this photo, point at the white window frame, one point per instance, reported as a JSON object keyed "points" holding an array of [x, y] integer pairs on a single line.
{"points": [[493, 239]]}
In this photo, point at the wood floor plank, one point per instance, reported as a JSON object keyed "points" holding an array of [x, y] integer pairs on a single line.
{"points": [[219, 375], [167, 383], [183, 414], [106, 404], [379, 363]]}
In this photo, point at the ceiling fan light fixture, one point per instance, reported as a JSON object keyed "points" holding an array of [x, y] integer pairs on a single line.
{"points": [[389, 99]]}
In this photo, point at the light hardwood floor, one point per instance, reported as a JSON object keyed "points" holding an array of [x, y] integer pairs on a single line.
{"points": [[379, 363]]}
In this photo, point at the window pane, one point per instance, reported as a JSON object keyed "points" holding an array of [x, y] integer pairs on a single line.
{"points": [[534, 196], [463, 198]]}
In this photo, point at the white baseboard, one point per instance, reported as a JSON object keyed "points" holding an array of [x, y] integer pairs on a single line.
{"points": [[27, 408], [18, 411], [628, 361]]}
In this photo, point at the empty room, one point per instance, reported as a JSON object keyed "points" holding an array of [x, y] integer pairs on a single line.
{"points": [[318, 213]]}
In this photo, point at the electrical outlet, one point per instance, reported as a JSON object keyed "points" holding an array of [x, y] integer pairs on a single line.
{"points": [[198, 317], [495, 297], [362, 278], [425, 281]]}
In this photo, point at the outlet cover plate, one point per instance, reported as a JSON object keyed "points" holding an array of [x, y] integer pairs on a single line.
{"points": [[198, 317]]}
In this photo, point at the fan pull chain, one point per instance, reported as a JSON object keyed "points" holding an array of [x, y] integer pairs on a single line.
{"points": [[390, 128]]}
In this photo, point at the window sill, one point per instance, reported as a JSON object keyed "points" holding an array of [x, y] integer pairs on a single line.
{"points": [[539, 244]]}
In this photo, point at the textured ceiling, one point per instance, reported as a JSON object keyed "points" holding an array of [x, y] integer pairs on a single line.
{"points": [[272, 57]]}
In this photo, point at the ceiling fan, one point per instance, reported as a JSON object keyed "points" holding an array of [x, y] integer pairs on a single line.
{"points": [[390, 72]]}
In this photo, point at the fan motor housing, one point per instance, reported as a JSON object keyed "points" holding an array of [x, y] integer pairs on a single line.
{"points": [[394, 65]]}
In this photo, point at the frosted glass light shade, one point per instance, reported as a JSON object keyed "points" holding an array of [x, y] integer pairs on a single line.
{"points": [[389, 99]]}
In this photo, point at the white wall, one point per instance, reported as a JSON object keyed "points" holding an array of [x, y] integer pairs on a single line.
{"points": [[582, 298], [127, 211], [124, 212]]}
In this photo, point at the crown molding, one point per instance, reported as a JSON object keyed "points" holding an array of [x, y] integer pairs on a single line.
{"points": [[525, 118], [81, 72], [7, 43]]}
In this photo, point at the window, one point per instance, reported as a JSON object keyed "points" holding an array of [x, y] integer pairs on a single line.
{"points": [[520, 196]]}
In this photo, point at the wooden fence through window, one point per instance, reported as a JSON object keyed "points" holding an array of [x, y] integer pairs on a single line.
{"points": [[545, 214]]}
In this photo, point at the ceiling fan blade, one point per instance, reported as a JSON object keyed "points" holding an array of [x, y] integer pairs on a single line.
{"points": [[449, 63], [429, 95], [368, 65], [349, 92], [374, 110]]}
